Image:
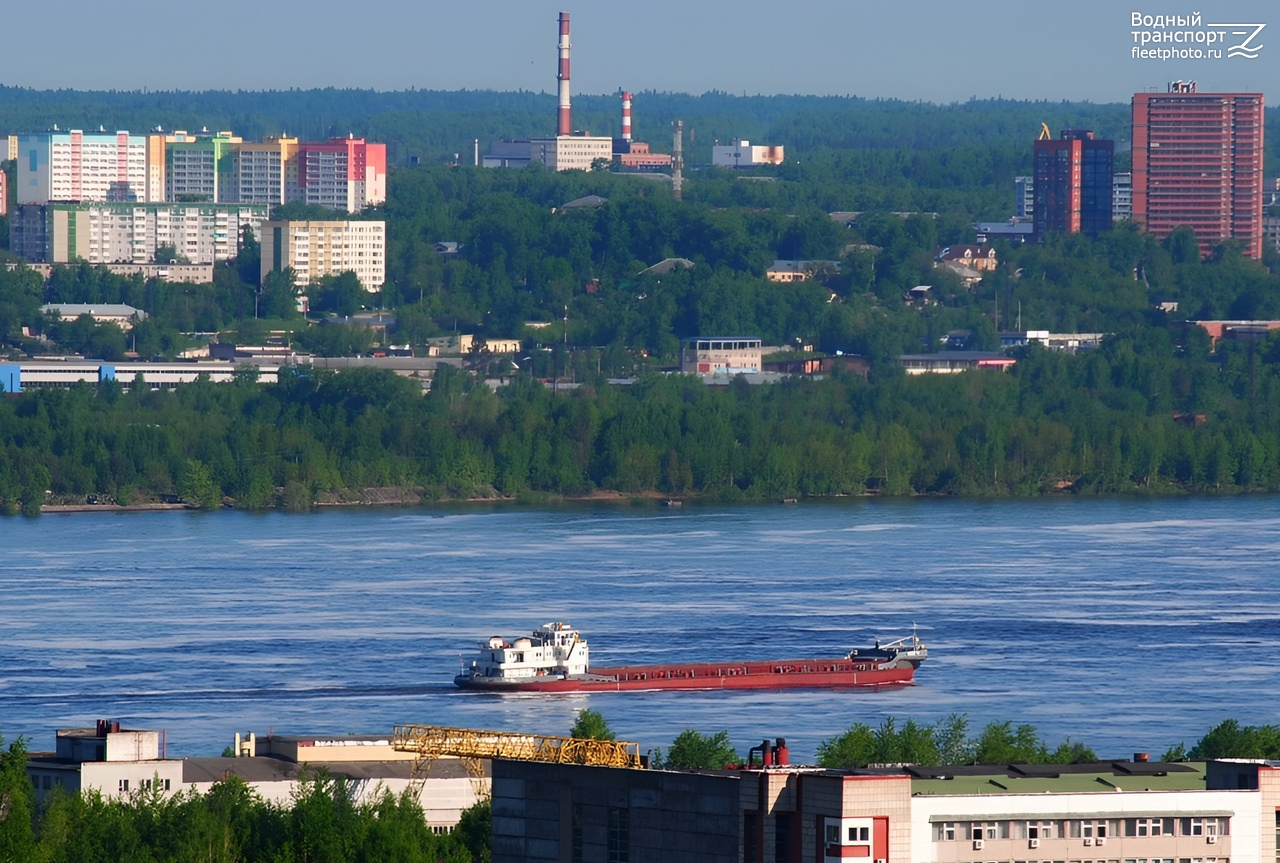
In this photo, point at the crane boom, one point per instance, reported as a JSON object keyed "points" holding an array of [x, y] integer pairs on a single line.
{"points": [[432, 741]]}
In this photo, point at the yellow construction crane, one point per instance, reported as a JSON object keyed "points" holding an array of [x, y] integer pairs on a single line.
{"points": [[433, 741], [1045, 134]]}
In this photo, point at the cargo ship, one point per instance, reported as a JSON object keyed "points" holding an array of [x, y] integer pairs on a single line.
{"points": [[555, 658]]}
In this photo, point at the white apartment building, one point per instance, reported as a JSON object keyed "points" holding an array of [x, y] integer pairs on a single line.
{"points": [[82, 166], [316, 249], [113, 233], [1121, 196]]}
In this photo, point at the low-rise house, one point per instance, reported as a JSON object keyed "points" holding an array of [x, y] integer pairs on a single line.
{"points": [[119, 314], [721, 355], [953, 362], [920, 295], [800, 271], [981, 257]]}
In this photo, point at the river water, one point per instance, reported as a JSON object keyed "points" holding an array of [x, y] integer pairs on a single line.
{"points": [[1129, 625]]}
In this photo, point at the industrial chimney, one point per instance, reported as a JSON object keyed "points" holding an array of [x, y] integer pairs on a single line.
{"points": [[565, 124], [626, 116]]}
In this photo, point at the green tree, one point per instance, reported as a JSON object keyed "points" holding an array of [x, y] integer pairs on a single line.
{"points": [[198, 488], [475, 830], [1229, 739], [856, 747], [1001, 743], [17, 804], [591, 725], [692, 750]]}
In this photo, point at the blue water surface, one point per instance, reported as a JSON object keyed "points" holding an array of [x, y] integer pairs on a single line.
{"points": [[1129, 625]]}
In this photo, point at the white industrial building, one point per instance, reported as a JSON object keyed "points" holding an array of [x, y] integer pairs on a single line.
{"points": [[742, 154], [118, 762]]}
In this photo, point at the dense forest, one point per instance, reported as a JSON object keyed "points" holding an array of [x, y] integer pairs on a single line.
{"points": [[1143, 412]]}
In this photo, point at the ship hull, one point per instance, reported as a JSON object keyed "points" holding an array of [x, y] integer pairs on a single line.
{"points": [[781, 674]]}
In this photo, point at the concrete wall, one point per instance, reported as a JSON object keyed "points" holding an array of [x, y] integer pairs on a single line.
{"points": [[541, 811]]}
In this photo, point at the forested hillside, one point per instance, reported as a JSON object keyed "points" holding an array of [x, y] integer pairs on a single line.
{"points": [[1153, 409]]}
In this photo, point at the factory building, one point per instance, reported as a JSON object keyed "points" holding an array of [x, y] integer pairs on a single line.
{"points": [[631, 155], [742, 154], [1099, 812]]}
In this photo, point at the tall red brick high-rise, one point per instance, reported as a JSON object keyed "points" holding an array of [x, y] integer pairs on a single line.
{"points": [[1197, 161]]}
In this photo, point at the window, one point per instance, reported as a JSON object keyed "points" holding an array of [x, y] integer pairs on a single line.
{"points": [[1042, 830], [619, 847], [946, 832], [1148, 826], [987, 830], [859, 834], [124, 786]]}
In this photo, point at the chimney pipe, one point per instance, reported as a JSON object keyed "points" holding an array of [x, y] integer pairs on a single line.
{"points": [[626, 116], [565, 123], [781, 756]]}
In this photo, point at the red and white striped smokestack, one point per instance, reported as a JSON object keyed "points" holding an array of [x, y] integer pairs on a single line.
{"points": [[626, 116], [565, 124]]}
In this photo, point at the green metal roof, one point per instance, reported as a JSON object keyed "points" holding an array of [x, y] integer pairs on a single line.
{"points": [[999, 781]]}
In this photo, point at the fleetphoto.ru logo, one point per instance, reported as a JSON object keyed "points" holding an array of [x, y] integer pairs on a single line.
{"points": [[1187, 37]]}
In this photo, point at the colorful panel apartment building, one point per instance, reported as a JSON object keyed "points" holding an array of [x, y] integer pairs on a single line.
{"points": [[82, 166], [346, 174], [1197, 161], [316, 249], [265, 173], [198, 167]]}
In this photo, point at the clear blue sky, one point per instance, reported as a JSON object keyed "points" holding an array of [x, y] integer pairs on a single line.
{"points": [[932, 50]]}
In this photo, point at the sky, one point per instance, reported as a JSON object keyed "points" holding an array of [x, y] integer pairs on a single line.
{"points": [[919, 50]]}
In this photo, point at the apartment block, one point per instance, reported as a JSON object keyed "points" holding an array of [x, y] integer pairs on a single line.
{"points": [[82, 166], [1073, 184], [317, 249], [111, 233], [1197, 161], [198, 167], [265, 173], [346, 174]]}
